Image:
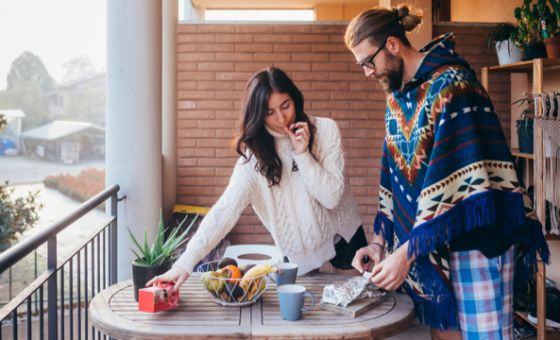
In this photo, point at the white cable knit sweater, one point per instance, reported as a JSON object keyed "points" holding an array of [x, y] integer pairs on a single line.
{"points": [[303, 213]]}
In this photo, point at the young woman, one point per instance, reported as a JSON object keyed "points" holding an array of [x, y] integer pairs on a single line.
{"points": [[291, 171]]}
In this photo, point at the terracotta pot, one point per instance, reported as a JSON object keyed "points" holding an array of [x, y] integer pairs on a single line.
{"points": [[552, 47]]}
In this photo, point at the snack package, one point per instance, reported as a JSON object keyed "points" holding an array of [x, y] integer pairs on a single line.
{"points": [[342, 293], [157, 298]]}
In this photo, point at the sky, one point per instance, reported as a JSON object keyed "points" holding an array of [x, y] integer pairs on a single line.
{"points": [[54, 30]]}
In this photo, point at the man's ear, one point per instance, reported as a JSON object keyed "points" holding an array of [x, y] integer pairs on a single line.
{"points": [[394, 45]]}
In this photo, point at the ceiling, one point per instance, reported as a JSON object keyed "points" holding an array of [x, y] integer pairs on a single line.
{"points": [[277, 4]]}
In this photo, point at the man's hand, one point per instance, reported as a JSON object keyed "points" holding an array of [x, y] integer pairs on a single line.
{"points": [[390, 273], [374, 253], [174, 274]]}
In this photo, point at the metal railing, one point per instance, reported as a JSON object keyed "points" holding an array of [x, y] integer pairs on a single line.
{"points": [[71, 282]]}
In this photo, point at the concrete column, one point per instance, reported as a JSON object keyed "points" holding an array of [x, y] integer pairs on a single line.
{"points": [[423, 34], [133, 116], [169, 101]]}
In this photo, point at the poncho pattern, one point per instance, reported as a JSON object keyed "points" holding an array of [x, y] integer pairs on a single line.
{"points": [[446, 170]]}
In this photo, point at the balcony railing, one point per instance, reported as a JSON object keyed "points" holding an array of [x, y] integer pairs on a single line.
{"points": [[70, 282]]}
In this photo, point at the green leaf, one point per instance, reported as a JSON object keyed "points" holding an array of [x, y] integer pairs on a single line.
{"points": [[162, 248]]}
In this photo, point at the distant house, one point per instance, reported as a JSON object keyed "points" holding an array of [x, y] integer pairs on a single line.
{"points": [[65, 141], [10, 136], [86, 94]]}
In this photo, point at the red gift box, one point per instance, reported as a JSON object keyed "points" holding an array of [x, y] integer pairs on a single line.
{"points": [[157, 298]]}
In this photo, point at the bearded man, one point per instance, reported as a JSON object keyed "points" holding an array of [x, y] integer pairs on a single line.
{"points": [[452, 217]]}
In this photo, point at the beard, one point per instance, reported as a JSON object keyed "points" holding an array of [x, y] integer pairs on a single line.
{"points": [[392, 79]]}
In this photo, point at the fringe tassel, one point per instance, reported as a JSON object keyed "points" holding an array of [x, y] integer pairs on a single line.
{"points": [[528, 244], [440, 312], [477, 211], [382, 225]]}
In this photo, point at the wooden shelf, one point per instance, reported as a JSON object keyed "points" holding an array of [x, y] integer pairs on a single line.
{"points": [[550, 237], [524, 316], [517, 153], [525, 66], [537, 70]]}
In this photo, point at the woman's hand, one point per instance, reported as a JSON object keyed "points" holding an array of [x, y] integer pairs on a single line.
{"points": [[374, 253], [299, 136], [390, 273], [174, 274]]}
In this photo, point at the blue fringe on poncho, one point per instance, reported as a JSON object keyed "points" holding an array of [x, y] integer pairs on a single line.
{"points": [[446, 171]]}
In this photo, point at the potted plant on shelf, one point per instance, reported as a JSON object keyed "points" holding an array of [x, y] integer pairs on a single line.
{"points": [[552, 20], [530, 34], [525, 124], [156, 259], [503, 38]]}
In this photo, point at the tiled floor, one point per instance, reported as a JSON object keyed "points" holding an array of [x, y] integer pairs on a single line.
{"points": [[415, 331], [419, 332]]}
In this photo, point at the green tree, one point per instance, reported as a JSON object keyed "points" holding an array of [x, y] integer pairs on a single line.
{"points": [[3, 122], [27, 83], [27, 69], [78, 67], [16, 215]]}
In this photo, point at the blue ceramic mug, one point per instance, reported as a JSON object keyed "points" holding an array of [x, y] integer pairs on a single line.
{"points": [[291, 298], [286, 273]]}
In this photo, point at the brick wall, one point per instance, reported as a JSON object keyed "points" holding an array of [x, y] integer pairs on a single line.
{"points": [[470, 44], [216, 60]]}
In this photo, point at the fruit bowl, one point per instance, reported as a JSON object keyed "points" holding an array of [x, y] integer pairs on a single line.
{"points": [[234, 286]]}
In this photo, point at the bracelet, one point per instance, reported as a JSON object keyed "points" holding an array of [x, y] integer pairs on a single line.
{"points": [[377, 244]]}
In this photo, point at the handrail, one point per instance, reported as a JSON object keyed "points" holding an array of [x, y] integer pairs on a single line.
{"points": [[41, 279], [13, 254]]}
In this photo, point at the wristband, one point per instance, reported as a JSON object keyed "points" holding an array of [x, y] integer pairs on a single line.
{"points": [[377, 244]]}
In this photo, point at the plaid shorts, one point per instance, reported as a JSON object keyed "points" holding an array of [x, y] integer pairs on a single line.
{"points": [[484, 291]]}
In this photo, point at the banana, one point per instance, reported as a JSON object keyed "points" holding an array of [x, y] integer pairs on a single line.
{"points": [[256, 287], [251, 276]]}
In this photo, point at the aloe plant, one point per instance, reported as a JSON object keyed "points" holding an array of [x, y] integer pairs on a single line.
{"points": [[162, 249]]}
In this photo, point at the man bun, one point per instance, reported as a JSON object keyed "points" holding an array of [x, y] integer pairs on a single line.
{"points": [[407, 18]]}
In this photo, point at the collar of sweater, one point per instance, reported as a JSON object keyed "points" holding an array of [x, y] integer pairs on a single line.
{"points": [[278, 137]]}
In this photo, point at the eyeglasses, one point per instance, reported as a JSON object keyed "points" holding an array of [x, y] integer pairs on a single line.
{"points": [[368, 61]]}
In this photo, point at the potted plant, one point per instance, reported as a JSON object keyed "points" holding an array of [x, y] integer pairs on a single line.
{"points": [[552, 20], [525, 124], [530, 34], [156, 259], [503, 38]]}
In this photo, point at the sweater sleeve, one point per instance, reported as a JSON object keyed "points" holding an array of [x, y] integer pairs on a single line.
{"points": [[221, 218], [324, 175]]}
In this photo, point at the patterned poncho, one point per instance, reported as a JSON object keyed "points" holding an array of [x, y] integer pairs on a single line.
{"points": [[447, 171]]}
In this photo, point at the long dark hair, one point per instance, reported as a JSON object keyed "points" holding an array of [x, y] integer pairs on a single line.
{"points": [[253, 138]]}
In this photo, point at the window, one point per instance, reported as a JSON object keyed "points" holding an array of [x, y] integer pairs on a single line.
{"points": [[259, 15]]}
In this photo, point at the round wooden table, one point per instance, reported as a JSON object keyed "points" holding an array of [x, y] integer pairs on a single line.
{"points": [[115, 313]]}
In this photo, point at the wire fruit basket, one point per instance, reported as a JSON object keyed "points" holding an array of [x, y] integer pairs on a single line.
{"points": [[234, 286]]}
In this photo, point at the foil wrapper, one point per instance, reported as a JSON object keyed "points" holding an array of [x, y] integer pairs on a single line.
{"points": [[342, 293]]}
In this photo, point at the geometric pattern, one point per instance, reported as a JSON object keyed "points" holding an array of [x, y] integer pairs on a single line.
{"points": [[470, 180]]}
